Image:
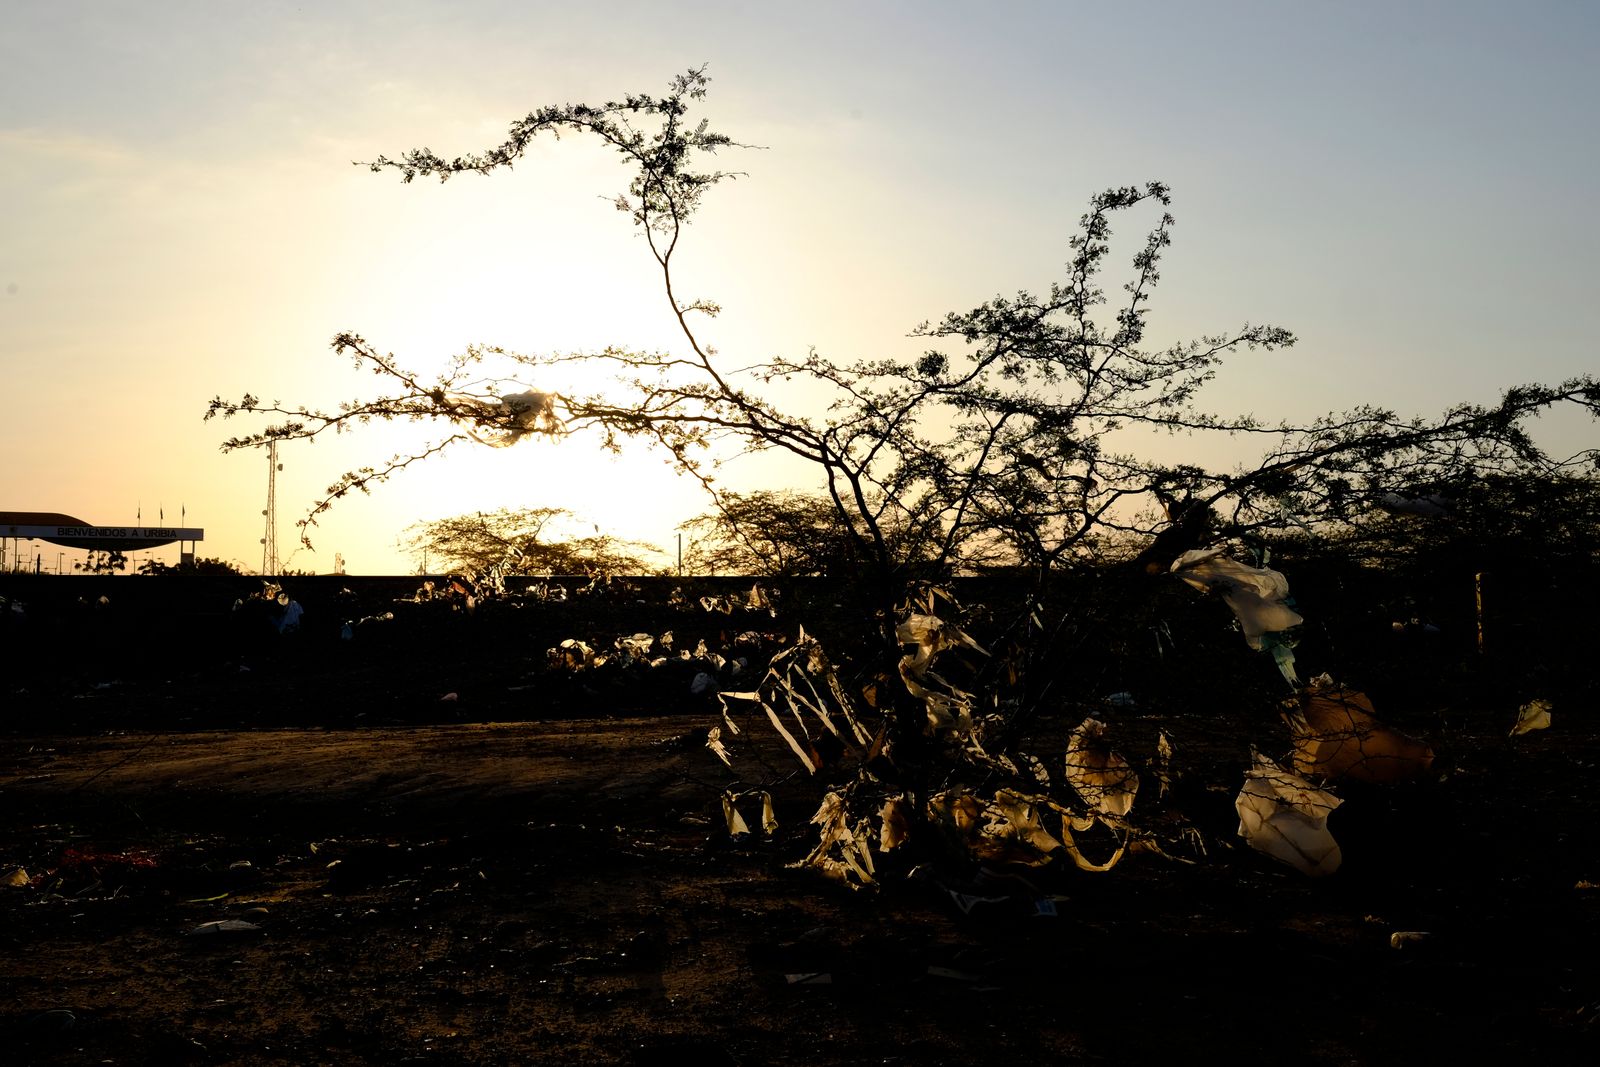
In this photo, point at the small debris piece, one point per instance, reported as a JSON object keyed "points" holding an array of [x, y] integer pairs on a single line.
{"points": [[737, 827], [224, 926], [896, 823], [1162, 764], [1404, 939], [718, 749], [817, 978], [1534, 715]]}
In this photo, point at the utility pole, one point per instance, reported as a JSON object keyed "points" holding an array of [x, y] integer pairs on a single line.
{"points": [[269, 541]]}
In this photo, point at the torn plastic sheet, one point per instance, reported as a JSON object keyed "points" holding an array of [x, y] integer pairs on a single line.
{"points": [[718, 749], [510, 418], [894, 823], [1162, 765], [1258, 597], [948, 711], [1015, 817], [975, 752], [638, 645], [1072, 825], [574, 655], [807, 756], [1286, 817], [788, 685], [843, 852], [1099, 774], [1337, 735], [703, 653], [1534, 715], [986, 894], [546, 591], [958, 813], [932, 635], [792, 670], [737, 826], [803, 752], [757, 600], [1011, 828]]}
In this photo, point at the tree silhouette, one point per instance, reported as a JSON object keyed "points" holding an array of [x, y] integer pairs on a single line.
{"points": [[999, 443], [525, 541], [1001, 437]]}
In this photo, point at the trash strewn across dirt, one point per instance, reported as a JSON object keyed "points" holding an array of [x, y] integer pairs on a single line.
{"points": [[523, 893], [445, 880]]}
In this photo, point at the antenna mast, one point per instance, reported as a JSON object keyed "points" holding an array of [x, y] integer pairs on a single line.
{"points": [[269, 542]]}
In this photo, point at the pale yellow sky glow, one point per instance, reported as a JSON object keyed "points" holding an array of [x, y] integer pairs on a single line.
{"points": [[1404, 186]]}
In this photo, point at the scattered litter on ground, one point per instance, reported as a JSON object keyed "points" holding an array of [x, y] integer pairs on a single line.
{"points": [[1409, 939], [1534, 715], [221, 927]]}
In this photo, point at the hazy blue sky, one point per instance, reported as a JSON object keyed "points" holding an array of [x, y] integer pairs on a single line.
{"points": [[1406, 186]]}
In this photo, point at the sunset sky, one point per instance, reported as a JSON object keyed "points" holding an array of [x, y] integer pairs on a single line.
{"points": [[1406, 186]]}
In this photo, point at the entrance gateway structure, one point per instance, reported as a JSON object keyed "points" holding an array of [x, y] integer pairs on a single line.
{"points": [[70, 532]]}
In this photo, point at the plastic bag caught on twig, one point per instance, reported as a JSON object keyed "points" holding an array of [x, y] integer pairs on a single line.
{"points": [[1099, 774], [1286, 817], [949, 708], [511, 417], [1258, 597], [1337, 735], [801, 683], [844, 851], [737, 826]]}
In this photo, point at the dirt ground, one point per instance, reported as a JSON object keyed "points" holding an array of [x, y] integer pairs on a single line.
{"points": [[563, 891], [407, 869]]}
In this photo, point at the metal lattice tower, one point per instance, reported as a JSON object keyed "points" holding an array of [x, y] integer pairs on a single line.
{"points": [[269, 541]]}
